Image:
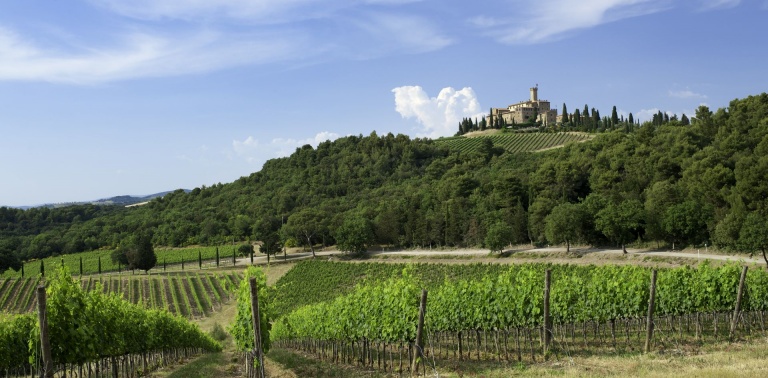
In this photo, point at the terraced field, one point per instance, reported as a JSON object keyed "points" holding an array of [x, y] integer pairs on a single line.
{"points": [[191, 294], [516, 142]]}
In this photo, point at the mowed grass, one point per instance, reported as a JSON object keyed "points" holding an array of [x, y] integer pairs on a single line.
{"points": [[746, 359]]}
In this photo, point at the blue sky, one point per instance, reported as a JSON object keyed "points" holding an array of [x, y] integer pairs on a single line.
{"points": [[109, 97]]}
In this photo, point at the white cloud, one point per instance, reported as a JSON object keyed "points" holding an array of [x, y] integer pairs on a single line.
{"points": [[255, 152], [718, 4], [686, 93], [438, 116], [140, 55], [547, 20], [646, 114]]}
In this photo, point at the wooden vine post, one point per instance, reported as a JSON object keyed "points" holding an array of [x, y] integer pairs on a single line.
{"points": [[419, 350], [45, 344], [649, 321], [737, 307], [256, 325], [547, 317]]}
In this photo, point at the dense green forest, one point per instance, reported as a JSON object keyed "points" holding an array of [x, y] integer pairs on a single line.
{"points": [[669, 181]]}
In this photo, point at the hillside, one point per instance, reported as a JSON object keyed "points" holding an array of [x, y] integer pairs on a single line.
{"points": [[514, 142], [662, 182]]}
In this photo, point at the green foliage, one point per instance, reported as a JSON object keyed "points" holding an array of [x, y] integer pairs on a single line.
{"points": [[565, 223], [511, 297], [78, 322], [354, 235], [241, 328], [448, 192], [621, 223], [218, 332], [514, 142], [499, 236], [753, 236]]}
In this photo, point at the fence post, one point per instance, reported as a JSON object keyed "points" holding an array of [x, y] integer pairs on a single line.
{"points": [[256, 324], [737, 308], [547, 318], [649, 322], [45, 344], [419, 350]]}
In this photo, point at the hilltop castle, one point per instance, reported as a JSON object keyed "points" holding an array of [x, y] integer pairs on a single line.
{"points": [[524, 111]]}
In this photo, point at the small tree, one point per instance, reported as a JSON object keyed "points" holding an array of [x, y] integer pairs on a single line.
{"points": [[621, 223], [136, 252], [354, 235], [754, 234], [499, 236], [564, 224]]}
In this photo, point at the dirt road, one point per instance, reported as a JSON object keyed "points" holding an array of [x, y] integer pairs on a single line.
{"points": [[424, 253]]}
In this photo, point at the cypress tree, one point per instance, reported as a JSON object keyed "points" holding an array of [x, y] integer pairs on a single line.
{"points": [[251, 255], [42, 268], [163, 264], [565, 114], [182, 262], [22, 270], [234, 260], [81, 265], [199, 259], [684, 120], [217, 257], [631, 119], [99, 264], [614, 116]]}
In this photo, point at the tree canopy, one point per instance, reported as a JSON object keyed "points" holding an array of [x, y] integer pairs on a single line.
{"points": [[664, 180]]}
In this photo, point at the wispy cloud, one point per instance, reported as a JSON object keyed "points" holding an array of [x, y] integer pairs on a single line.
{"points": [[255, 152], [397, 33], [138, 55], [208, 35], [707, 5], [686, 94], [547, 20], [438, 116]]}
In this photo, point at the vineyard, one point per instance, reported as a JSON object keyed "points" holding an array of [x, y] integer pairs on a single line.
{"points": [[516, 142], [499, 315], [93, 334], [95, 262], [189, 294]]}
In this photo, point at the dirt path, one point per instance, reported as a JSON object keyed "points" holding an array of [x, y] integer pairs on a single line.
{"points": [[589, 253]]}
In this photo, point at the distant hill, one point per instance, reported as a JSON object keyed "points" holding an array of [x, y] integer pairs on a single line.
{"points": [[124, 200]]}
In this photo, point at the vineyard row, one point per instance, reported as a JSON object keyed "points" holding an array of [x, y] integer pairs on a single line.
{"points": [[191, 295]]}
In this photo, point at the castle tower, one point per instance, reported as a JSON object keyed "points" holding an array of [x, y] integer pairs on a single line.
{"points": [[535, 93]]}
